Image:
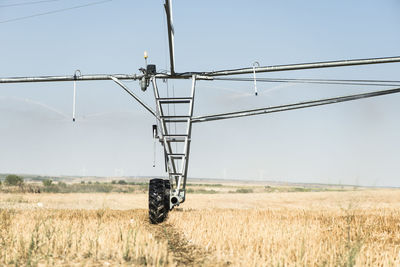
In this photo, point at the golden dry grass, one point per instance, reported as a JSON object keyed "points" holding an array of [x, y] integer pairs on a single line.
{"points": [[354, 228], [79, 237], [298, 229]]}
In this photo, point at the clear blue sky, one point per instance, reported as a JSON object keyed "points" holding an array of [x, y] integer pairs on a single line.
{"points": [[349, 143]]}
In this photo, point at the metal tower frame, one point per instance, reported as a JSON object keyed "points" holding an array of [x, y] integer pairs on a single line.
{"points": [[177, 161]]}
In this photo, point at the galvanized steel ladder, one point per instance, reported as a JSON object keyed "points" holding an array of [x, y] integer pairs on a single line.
{"points": [[176, 144]]}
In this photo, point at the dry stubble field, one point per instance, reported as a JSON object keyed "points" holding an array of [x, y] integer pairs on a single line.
{"points": [[352, 228]]}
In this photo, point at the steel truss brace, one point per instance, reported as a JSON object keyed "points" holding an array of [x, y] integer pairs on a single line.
{"points": [[149, 109], [300, 105], [176, 144]]}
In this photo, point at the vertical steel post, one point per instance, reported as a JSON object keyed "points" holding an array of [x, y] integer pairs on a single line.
{"points": [[164, 128], [189, 133]]}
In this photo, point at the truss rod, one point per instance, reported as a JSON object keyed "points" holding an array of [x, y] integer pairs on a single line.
{"points": [[302, 66], [293, 106], [315, 81], [90, 77], [149, 109]]}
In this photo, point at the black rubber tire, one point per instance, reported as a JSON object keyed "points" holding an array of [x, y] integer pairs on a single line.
{"points": [[158, 212], [167, 186]]}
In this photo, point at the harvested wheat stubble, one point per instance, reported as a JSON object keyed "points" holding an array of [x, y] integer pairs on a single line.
{"points": [[301, 229], [88, 238], [359, 228]]}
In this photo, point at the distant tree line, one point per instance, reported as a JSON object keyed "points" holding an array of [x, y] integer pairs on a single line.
{"points": [[50, 186]]}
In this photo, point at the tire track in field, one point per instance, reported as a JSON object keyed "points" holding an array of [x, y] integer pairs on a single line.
{"points": [[184, 253]]}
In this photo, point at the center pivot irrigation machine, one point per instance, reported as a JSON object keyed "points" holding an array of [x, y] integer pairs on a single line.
{"points": [[164, 195]]}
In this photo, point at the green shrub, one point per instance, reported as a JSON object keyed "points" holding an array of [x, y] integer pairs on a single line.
{"points": [[205, 191], [13, 179], [52, 188], [139, 183], [244, 190], [78, 188], [301, 189], [62, 184], [113, 182], [47, 182], [122, 182]]}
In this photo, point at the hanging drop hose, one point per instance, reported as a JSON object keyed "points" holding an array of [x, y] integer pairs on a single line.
{"points": [[254, 76], [74, 94], [154, 144], [154, 156]]}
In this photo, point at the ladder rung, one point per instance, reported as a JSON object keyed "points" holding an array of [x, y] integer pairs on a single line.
{"points": [[175, 138], [175, 120], [176, 158], [175, 100], [180, 155], [175, 117], [175, 135], [175, 173], [178, 140]]}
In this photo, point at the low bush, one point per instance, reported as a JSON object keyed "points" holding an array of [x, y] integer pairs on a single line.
{"points": [[78, 188], [301, 189], [47, 182], [201, 191], [244, 190], [62, 184], [13, 179]]}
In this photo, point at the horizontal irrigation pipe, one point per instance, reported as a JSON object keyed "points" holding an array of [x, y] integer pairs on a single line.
{"points": [[205, 75], [91, 77], [307, 104], [94, 77], [302, 66]]}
